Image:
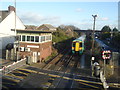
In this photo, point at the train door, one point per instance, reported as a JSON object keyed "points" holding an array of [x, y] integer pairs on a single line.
{"points": [[77, 46]]}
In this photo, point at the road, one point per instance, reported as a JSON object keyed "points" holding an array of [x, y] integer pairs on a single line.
{"points": [[31, 77]]}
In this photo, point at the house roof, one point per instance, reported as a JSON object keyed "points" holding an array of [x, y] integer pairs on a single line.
{"points": [[31, 31], [31, 27], [3, 15], [48, 26]]}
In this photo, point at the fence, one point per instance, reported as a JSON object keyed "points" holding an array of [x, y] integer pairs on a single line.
{"points": [[13, 66]]}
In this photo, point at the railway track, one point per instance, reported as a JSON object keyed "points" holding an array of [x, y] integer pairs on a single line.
{"points": [[68, 65], [58, 59]]}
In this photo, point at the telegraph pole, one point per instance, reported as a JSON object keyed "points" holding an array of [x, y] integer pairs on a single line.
{"points": [[15, 18], [15, 34], [93, 34], [93, 37]]}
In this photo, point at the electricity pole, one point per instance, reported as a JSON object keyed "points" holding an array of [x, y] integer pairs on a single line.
{"points": [[93, 37], [15, 34], [93, 34]]}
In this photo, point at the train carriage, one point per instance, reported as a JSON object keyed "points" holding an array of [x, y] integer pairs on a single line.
{"points": [[78, 45]]}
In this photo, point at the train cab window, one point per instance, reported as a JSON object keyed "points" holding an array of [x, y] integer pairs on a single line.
{"points": [[73, 44], [80, 44]]}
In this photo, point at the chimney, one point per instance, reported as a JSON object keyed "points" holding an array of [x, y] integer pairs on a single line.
{"points": [[11, 8]]}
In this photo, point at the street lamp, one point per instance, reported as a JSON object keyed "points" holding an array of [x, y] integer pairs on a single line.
{"points": [[93, 36]]}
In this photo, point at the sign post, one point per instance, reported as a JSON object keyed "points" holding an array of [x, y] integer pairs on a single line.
{"points": [[93, 58], [106, 55]]}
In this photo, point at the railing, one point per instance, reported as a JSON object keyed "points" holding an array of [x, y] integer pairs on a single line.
{"points": [[13, 66]]}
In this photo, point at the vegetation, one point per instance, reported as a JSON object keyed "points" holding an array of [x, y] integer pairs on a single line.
{"points": [[61, 39], [59, 36], [112, 35], [105, 32], [106, 29]]}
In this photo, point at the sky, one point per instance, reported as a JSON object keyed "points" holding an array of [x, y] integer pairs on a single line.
{"points": [[74, 13]]}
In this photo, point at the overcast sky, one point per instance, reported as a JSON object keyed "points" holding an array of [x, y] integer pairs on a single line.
{"points": [[67, 13]]}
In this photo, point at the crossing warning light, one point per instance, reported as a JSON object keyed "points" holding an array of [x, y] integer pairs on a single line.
{"points": [[106, 54]]}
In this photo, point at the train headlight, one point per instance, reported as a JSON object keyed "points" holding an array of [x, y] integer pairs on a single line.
{"points": [[72, 48], [80, 48]]}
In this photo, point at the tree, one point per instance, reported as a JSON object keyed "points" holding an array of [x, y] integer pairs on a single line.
{"points": [[105, 32], [106, 29], [115, 29]]}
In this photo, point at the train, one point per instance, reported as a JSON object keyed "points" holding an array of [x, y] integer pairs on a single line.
{"points": [[78, 45]]}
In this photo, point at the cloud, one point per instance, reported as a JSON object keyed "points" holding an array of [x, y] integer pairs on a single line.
{"points": [[78, 10], [103, 19], [37, 19]]}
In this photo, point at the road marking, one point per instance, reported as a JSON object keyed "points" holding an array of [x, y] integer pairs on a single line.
{"points": [[52, 78], [59, 68], [22, 73], [41, 73], [67, 78], [8, 83], [46, 85], [88, 85], [87, 81], [11, 74], [12, 79], [32, 71], [53, 75], [4, 87]]}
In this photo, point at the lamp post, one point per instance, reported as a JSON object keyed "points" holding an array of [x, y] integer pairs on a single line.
{"points": [[93, 36]]}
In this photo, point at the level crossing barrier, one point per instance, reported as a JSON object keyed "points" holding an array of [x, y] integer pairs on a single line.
{"points": [[13, 66]]}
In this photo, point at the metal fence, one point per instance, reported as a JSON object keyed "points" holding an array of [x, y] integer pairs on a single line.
{"points": [[13, 66]]}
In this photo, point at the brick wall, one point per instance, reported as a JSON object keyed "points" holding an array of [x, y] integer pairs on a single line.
{"points": [[44, 49]]}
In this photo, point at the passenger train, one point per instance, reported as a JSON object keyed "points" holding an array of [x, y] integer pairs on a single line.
{"points": [[78, 45]]}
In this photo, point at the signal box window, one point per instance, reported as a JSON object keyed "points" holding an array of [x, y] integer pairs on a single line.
{"points": [[42, 38], [20, 38], [48, 37], [36, 38], [32, 38], [28, 38], [23, 38]]}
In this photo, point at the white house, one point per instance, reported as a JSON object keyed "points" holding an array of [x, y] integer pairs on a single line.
{"points": [[7, 26]]}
